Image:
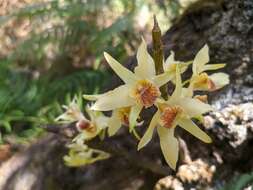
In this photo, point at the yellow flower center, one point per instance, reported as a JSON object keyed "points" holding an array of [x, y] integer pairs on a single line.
{"points": [[169, 115], [86, 125], [172, 68], [202, 81], [146, 93], [124, 115]]}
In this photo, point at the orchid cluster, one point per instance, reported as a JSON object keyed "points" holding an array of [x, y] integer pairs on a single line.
{"points": [[79, 153], [141, 90]]}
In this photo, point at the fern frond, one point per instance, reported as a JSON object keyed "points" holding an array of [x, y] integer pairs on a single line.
{"points": [[238, 183]]}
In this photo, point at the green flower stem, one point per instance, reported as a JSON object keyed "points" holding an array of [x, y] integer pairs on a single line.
{"points": [[158, 54]]}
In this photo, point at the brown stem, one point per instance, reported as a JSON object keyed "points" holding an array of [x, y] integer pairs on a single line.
{"points": [[158, 54]]}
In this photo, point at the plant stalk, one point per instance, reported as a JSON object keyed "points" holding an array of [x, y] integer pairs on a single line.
{"points": [[157, 53]]}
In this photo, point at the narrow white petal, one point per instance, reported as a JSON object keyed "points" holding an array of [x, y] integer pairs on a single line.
{"points": [[149, 132], [194, 107], [89, 135], [210, 67], [192, 128], [134, 114], [170, 60], [92, 97], [102, 121], [178, 89], [200, 60], [169, 145], [126, 75], [92, 114], [162, 79], [183, 66], [114, 123], [146, 67], [219, 80], [117, 98]]}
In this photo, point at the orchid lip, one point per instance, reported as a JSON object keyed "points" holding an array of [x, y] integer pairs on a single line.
{"points": [[145, 93], [124, 115], [86, 125], [169, 115]]}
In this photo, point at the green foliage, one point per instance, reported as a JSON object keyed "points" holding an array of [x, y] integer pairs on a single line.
{"points": [[239, 182], [33, 86], [36, 100]]}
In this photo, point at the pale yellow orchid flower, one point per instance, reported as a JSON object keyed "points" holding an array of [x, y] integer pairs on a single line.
{"points": [[200, 79], [170, 66], [80, 154], [119, 117], [72, 113], [177, 110], [88, 128], [141, 88], [94, 126]]}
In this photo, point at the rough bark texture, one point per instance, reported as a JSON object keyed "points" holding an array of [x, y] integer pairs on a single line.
{"points": [[227, 27]]}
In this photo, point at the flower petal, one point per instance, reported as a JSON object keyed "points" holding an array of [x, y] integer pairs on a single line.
{"points": [[169, 145], [192, 128], [114, 123], [146, 66], [134, 114], [170, 64], [178, 90], [101, 121], [126, 75], [194, 107], [210, 67], [92, 114], [170, 60], [149, 132], [119, 97], [160, 80], [86, 135], [219, 80], [200, 60], [92, 97], [72, 113]]}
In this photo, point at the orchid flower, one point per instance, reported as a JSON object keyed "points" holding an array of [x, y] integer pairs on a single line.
{"points": [[119, 117], [200, 79], [72, 113], [177, 110], [170, 66], [80, 154], [141, 88], [89, 128]]}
